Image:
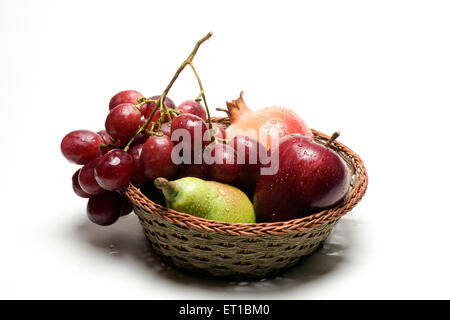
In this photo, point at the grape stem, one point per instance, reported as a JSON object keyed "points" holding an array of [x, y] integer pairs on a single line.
{"points": [[105, 145], [202, 94], [162, 98], [142, 101]]}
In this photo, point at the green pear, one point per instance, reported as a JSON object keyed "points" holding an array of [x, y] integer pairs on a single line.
{"points": [[207, 199]]}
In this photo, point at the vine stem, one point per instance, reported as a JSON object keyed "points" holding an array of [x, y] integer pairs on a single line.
{"points": [[169, 86], [202, 94]]}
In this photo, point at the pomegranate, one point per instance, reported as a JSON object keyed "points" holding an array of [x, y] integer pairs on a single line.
{"points": [[267, 125]]}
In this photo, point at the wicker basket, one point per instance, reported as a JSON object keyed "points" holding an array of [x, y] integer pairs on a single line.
{"points": [[243, 250]]}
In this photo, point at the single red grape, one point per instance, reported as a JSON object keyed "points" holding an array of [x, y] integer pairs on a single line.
{"points": [[156, 158], [150, 106], [127, 96], [192, 107], [222, 162], [114, 170], [86, 178], [76, 186], [104, 209], [81, 146], [127, 206], [138, 176], [189, 129], [123, 121]]}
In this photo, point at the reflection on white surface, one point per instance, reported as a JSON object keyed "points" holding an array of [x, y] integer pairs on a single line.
{"points": [[125, 240]]}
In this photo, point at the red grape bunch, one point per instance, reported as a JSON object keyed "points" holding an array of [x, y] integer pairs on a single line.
{"points": [[134, 149], [144, 139]]}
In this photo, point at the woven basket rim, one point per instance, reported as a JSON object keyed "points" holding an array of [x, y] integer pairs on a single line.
{"points": [[185, 220]]}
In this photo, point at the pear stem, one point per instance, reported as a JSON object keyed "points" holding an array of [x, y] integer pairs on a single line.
{"points": [[332, 138], [167, 187]]}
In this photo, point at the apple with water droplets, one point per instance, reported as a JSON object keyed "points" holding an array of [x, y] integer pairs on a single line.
{"points": [[310, 177]]}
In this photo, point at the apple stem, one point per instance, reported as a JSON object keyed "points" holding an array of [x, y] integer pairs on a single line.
{"points": [[332, 138]]}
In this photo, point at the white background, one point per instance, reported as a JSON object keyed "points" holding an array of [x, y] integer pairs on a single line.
{"points": [[378, 71]]}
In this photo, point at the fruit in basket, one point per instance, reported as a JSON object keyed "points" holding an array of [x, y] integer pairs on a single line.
{"points": [[310, 177], [137, 145], [81, 146], [207, 199], [267, 125]]}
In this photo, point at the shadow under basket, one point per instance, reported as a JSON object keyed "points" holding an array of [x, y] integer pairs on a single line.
{"points": [[243, 250]]}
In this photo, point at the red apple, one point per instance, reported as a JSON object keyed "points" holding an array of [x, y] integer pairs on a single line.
{"points": [[311, 177]]}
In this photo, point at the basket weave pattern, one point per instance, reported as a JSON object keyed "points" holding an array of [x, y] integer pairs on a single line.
{"points": [[243, 250]]}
